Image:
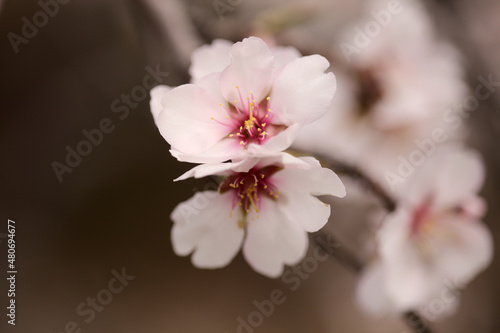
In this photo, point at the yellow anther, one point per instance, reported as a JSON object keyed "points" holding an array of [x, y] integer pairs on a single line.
{"points": [[262, 175], [231, 135], [212, 118], [268, 98], [227, 117], [237, 87], [242, 143]]}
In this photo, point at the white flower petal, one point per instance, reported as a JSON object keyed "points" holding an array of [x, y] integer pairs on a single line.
{"points": [[466, 248], [451, 176], [406, 274], [211, 83], [273, 240], [302, 92], [209, 59], [208, 169], [315, 180], [461, 175], [251, 69], [298, 190], [202, 224], [283, 159], [186, 123], [275, 144], [223, 150], [157, 94]]}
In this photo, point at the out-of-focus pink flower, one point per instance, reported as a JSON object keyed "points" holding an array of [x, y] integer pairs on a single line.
{"points": [[244, 101], [395, 91], [265, 205], [435, 237]]}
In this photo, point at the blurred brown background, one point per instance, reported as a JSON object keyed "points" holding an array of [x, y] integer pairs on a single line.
{"points": [[112, 211]]}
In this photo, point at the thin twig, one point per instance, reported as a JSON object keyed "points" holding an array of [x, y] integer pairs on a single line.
{"points": [[339, 252], [416, 322]]}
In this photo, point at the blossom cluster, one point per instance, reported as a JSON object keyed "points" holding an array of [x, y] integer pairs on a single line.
{"points": [[244, 106]]}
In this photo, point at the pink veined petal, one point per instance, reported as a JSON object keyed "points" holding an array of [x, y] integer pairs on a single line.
{"points": [[157, 94], [302, 92], [209, 59], [202, 225], [466, 249], [370, 292], [251, 69], [208, 169], [186, 120], [273, 240]]}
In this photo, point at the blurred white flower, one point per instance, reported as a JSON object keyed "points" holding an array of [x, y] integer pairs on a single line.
{"points": [[395, 91], [435, 237], [267, 205], [244, 100]]}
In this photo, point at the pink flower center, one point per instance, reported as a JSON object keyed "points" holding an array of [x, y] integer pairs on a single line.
{"points": [[249, 121], [421, 217], [249, 187]]}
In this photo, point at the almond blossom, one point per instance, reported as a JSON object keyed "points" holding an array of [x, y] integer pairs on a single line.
{"points": [[392, 95], [434, 238], [244, 101], [266, 206]]}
